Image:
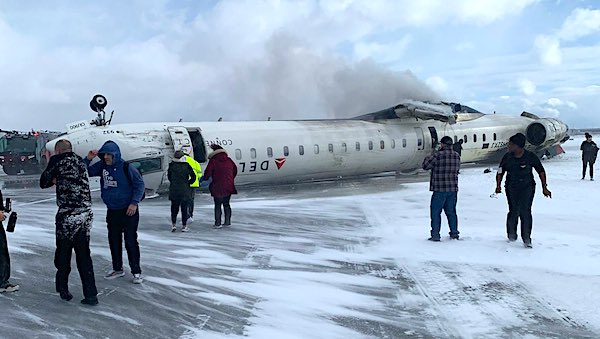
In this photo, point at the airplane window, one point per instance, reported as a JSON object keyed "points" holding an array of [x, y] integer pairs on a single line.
{"points": [[474, 137], [465, 139], [393, 143], [370, 145], [301, 150], [286, 151], [238, 154], [420, 142], [403, 142], [344, 148], [330, 146], [358, 146], [316, 149], [494, 136], [149, 165], [483, 136], [381, 144], [253, 153], [269, 152]]}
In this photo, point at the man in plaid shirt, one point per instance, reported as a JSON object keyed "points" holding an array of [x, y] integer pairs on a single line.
{"points": [[444, 165]]}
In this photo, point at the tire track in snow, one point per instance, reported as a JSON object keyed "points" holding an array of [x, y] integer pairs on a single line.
{"points": [[482, 302]]}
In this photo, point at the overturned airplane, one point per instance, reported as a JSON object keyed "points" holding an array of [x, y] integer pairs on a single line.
{"points": [[391, 140]]}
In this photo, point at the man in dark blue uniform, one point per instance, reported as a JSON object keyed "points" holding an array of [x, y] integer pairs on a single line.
{"points": [[520, 186]]}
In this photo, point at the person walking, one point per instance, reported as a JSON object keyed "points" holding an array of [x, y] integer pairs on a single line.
{"points": [[181, 175], [74, 218], [5, 285], [222, 170], [122, 189], [194, 186], [520, 186], [589, 151], [444, 165], [457, 147]]}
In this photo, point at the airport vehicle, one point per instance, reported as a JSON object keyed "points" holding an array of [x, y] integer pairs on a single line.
{"points": [[395, 139], [24, 152]]}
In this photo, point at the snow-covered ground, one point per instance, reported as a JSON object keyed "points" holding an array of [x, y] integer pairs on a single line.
{"points": [[342, 259]]}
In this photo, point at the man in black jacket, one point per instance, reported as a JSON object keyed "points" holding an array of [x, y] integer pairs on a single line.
{"points": [[589, 151], [67, 171], [5, 286]]}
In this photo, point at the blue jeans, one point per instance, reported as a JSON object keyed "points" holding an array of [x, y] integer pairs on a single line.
{"points": [[443, 201]]}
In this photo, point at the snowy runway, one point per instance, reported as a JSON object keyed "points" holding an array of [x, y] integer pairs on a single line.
{"points": [[328, 260]]}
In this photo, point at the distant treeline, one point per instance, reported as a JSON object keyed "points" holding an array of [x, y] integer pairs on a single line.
{"points": [[581, 131]]}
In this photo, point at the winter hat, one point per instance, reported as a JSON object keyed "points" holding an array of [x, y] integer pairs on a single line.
{"points": [[587, 135], [178, 154], [215, 147], [446, 140], [518, 139]]}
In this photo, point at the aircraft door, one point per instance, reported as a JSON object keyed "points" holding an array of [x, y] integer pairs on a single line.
{"points": [[200, 154], [181, 139], [420, 138], [434, 136]]}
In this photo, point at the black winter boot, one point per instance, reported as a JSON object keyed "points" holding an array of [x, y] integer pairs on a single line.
{"points": [[92, 301]]}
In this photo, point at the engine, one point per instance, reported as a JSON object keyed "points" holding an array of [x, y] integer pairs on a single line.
{"points": [[546, 132]]}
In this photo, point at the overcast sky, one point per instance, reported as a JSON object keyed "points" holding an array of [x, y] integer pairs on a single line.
{"points": [[241, 60]]}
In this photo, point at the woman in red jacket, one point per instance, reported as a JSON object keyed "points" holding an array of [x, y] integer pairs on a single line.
{"points": [[222, 170]]}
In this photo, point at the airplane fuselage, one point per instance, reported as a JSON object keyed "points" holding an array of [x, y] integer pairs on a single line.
{"points": [[272, 152]]}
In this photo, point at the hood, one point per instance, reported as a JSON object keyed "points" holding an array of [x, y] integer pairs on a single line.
{"points": [[217, 154], [182, 159], [110, 147]]}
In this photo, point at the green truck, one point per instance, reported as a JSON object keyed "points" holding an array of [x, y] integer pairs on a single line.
{"points": [[24, 152]]}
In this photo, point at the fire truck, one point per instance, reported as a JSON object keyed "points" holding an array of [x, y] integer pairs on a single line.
{"points": [[24, 152]]}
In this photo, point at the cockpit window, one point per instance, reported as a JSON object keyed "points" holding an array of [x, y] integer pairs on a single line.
{"points": [[149, 165]]}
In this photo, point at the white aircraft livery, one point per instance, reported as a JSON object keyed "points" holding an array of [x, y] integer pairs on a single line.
{"points": [[273, 152]]}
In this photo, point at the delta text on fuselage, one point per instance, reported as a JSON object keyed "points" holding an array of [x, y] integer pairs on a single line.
{"points": [[273, 152]]}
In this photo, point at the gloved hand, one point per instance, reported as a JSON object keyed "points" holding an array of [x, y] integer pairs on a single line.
{"points": [[205, 182]]}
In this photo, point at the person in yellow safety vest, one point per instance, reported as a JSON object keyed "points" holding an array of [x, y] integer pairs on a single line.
{"points": [[198, 170]]}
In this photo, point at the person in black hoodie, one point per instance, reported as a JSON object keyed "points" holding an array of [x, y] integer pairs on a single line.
{"points": [[74, 218], [5, 286], [181, 175], [589, 151]]}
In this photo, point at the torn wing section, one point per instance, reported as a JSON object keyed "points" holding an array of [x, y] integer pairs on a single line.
{"points": [[444, 112]]}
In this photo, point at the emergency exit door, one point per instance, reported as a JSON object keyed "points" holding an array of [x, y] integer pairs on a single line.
{"points": [[181, 140], [420, 138], [434, 136]]}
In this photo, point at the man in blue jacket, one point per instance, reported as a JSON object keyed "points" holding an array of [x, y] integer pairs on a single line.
{"points": [[122, 189]]}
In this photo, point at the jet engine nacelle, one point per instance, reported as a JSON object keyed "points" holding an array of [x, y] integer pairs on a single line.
{"points": [[545, 132]]}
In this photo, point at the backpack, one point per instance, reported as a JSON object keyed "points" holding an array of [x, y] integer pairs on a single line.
{"points": [[128, 176]]}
